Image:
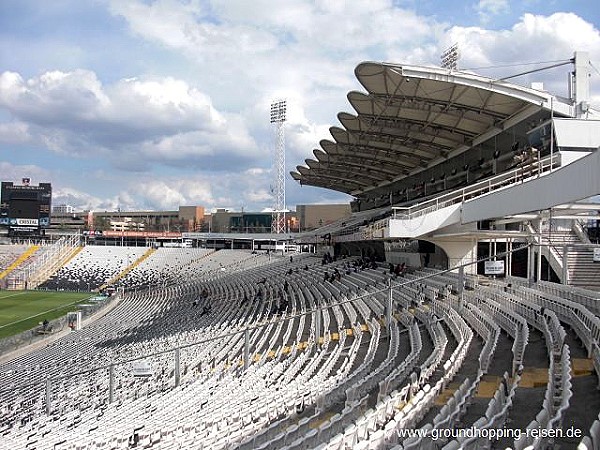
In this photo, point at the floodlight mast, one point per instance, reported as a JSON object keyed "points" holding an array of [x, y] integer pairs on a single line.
{"points": [[449, 59], [278, 117]]}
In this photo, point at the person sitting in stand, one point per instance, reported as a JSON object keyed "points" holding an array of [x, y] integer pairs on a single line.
{"points": [[273, 309], [283, 305], [336, 275]]}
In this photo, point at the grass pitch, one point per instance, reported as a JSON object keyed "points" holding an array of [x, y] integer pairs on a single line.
{"points": [[24, 310]]}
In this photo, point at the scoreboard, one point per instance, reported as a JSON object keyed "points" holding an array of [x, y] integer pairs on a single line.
{"points": [[25, 209]]}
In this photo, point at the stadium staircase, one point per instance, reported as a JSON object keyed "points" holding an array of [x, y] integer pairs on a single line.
{"points": [[19, 261], [51, 259], [581, 270], [128, 269]]}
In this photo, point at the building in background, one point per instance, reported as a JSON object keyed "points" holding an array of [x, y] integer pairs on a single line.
{"points": [[127, 224], [191, 217], [225, 221], [311, 217], [63, 209], [196, 219], [185, 219]]}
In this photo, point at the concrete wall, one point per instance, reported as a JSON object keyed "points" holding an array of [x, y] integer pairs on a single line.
{"points": [[427, 223], [576, 181]]}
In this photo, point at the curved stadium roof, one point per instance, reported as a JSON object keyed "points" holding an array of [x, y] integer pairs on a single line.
{"points": [[412, 118]]}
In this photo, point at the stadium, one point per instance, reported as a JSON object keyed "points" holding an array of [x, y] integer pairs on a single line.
{"points": [[457, 306]]}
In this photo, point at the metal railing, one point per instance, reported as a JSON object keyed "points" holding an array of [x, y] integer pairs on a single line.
{"points": [[376, 230], [52, 258], [511, 177]]}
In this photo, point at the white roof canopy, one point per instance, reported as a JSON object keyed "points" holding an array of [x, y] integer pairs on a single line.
{"points": [[412, 118]]}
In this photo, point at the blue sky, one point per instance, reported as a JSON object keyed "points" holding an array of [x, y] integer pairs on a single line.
{"points": [[151, 104]]}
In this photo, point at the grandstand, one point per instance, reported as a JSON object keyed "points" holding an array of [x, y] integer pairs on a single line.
{"points": [[470, 164], [348, 348]]}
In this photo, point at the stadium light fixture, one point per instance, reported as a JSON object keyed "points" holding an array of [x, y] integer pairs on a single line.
{"points": [[450, 56], [278, 118]]}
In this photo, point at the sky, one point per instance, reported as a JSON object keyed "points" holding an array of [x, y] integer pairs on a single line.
{"points": [[152, 104]]}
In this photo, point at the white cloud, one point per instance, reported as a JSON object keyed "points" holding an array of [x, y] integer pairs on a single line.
{"points": [[14, 132], [260, 196], [168, 194], [15, 172], [83, 201], [533, 38], [487, 9], [185, 26], [232, 190], [163, 120]]}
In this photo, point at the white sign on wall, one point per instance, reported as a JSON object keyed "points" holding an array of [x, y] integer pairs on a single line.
{"points": [[596, 257], [20, 221], [142, 368], [494, 267]]}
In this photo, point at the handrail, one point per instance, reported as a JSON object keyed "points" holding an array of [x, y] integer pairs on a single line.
{"points": [[511, 177]]}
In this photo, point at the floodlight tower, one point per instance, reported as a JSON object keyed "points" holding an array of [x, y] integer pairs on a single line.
{"points": [[449, 59], [278, 111]]}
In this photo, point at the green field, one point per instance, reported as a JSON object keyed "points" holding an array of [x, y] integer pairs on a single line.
{"points": [[34, 307]]}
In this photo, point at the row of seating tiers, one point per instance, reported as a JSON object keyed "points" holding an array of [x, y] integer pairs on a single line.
{"points": [[92, 267], [139, 332], [9, 254], [328, 367], [484, 309]]}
